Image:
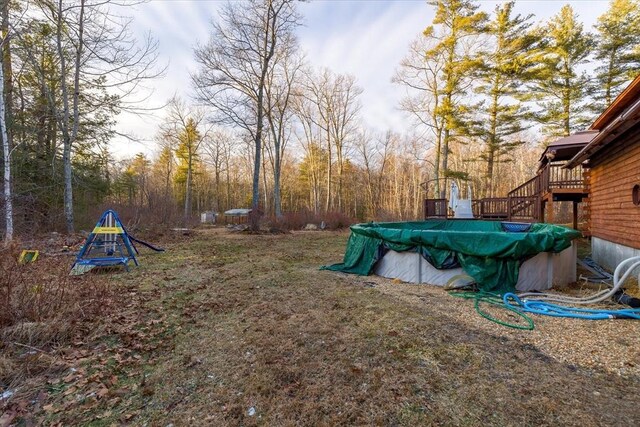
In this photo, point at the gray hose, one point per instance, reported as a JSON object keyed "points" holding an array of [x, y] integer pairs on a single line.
{"points": [[595, 298]]}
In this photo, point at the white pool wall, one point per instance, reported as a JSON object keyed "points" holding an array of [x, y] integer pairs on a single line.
{"points": [[542, 272]]}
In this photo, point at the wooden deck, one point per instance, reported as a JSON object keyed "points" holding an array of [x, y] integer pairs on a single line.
{"points": [[530, 201]]}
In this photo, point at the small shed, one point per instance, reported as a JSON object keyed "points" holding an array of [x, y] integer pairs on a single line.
{"points": [[613, 158], [237, 216], [208, 217]]}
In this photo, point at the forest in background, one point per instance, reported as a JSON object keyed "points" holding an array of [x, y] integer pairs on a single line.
{"points": [[264, 129]]}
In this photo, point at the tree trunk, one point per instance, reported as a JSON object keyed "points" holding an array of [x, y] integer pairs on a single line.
{"points": [[566, 125], [340, 172], [436, 166], [228, 183], [66, 137], [265, 187], [609, 80], [255, 198], [8, 73], [492, 144], [269, 51], [277, 202], [8, 202], [445, 161], [167, 190], [187, 195], [69, 137], [329, 171], [218, 188]]}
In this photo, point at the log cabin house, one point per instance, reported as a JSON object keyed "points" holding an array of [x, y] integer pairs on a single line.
{"points": [[613, 160]]}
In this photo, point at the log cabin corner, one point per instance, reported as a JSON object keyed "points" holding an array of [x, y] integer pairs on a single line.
{"points": [[613, 159]]}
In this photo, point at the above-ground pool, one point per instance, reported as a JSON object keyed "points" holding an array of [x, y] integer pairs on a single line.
{"points": [[499, 256]]}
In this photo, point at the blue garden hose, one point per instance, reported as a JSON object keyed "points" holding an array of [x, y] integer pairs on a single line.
{"points": [[512, 301]]}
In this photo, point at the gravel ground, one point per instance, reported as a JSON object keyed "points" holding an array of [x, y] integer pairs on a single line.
{"points": [[609, 345]]}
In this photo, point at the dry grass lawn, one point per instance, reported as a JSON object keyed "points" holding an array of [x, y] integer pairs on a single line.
{"points": [[234, 329]]}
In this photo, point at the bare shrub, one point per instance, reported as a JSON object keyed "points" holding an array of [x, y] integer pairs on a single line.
{"points": [[338, 220], [151, 223], [42, 308], [293, 220], [254, 219], [38, 300], [298, 220]]}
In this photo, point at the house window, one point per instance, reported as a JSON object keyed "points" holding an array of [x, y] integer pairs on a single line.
{"points": [[635, 194]]}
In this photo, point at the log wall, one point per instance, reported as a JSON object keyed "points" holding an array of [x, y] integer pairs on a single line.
{"points": [[614, 173]]}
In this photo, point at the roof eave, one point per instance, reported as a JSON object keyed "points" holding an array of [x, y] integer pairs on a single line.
{"points": [[612, 111], [631, 114]]}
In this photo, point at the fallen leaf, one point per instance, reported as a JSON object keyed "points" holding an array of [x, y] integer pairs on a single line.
{"points": [[129, 416], [69, 391], [49, 408], [6, 418]]}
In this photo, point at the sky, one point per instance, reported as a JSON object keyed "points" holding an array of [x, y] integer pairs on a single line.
{"points": [[366, 38]]}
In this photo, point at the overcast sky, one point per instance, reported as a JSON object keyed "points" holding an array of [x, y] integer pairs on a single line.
{"points": [[365, 38]]}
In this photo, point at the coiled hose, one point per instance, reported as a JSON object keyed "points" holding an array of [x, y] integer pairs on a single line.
{"points": [[537, 303], [599, 296], [495, 300]]}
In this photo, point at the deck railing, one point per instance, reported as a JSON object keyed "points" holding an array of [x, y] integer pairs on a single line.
{"points": [[532, 187], [525, 208], [491, 208], [524, 200], [435, 208], [554, 176], [524, 203]]}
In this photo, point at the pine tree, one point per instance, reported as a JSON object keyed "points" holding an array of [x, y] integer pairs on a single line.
{"points": [[560, 85], [618, 47], [504, 68], [456, 20], [162, 172], [186, 153]]}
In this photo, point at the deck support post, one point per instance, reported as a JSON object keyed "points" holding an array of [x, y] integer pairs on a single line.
{"points": [[575, 215], [549, 211]]}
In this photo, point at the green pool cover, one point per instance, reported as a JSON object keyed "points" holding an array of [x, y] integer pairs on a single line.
{"points": [[487, 253]]}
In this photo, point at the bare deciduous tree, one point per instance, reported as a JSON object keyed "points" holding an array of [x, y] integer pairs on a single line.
{"points": [[375, 153], [235, 66], [280, 93], [331, 105], [313, 111], [343, 116], [217, 148], [6, 154], [423, 85]]}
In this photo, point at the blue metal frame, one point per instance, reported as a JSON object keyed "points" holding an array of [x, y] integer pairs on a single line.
{"points": [[108, 260]]}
